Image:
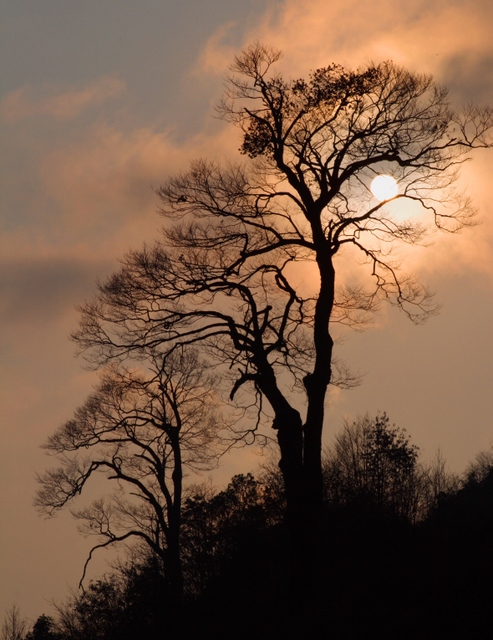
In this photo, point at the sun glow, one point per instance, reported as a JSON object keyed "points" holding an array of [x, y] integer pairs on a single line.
{"points": [[384, 187]]}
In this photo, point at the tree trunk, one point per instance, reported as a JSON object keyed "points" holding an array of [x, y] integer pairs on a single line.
{"points": [[307, 530], [303, 490], [174, 591]]}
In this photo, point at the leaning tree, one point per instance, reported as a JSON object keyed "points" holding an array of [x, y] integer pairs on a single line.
{"points": [[246, 268], [143, 429]]}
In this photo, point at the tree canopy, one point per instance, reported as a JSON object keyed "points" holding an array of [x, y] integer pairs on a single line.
{"points": [[226, 274]]}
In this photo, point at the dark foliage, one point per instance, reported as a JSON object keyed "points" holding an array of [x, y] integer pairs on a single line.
{"points": [[44, 629], [454, 556], [380, 573], [127, 604], [374, 462]]}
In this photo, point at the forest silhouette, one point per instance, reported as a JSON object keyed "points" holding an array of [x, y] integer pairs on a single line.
{"points": [[406, 553]]}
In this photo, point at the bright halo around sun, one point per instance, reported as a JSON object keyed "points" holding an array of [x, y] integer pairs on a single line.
{"points": [[384, 187]]}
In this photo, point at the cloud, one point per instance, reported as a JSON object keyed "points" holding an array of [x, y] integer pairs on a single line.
{"points": [[67, 105], [469, 76], [42, 290], [95, 195], [432, 36], [99, 189], [87, 201], [452, 41], [217, 54]]}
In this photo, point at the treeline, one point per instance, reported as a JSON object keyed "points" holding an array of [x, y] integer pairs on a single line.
{"points": [[406, 553]]}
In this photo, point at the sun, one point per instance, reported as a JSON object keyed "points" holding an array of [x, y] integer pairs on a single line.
{"points": [[384, 187]]}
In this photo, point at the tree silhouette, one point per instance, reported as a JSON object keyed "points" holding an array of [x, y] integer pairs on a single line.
{"points": [[14, 627], [247, 264], [374, 460], [131, 601], [216, 526], [381, 575], [142, 430], [44, 629], [454, 562]]}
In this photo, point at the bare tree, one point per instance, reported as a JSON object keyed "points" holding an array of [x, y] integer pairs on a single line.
{"points": [[228, 273], [143, 431], [14, 627], [480, 468], [436, 481]]}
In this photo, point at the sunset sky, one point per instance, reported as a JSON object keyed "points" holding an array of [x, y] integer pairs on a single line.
{"points": [[100, 101]]}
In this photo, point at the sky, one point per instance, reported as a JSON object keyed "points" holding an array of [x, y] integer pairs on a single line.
{"points": [[103, 99]]}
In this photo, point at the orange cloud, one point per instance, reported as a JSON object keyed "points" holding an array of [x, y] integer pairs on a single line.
{"points": [[422, 34], [217, 55], [450, 40], [24, 103], [94, 192]]}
